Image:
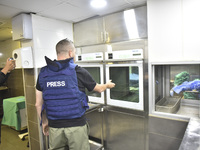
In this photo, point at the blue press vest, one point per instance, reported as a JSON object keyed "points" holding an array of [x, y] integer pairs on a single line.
{"points": [[61, 95]]}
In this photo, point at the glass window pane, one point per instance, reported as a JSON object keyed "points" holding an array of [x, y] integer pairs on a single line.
{"points": [[185, 73], [126, 81], [95, 73], [177, 89]]}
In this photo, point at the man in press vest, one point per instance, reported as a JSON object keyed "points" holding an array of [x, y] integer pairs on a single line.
{"points": [[61, 90]]}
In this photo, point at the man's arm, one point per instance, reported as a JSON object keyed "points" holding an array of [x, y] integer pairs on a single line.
{"points": [[102, 87], [39, 103], [10, 65], [3, 78]]}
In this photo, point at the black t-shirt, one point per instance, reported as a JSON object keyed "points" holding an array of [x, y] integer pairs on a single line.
{"points": [[3, 78], [85, 80]]}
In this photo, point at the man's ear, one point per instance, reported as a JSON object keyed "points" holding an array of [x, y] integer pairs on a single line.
{"points": [[70, 53]]}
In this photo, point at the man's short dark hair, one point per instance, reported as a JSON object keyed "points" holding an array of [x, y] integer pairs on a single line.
{"points": [[65, 46]]}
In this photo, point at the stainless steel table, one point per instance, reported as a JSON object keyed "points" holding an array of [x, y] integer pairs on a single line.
{"points": [[191, 139]]}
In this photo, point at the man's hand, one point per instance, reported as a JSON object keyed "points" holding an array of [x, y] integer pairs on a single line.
{"points": [[110, 84], [102, 87], [45, 128], [10, 65]]}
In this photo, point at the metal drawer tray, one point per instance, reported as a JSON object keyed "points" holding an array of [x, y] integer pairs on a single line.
{"points": [[168, 104]]}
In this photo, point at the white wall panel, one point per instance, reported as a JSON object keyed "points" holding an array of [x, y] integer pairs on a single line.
{"points": [[46, 33], [164, 30], [191, 30], [173, 30]]}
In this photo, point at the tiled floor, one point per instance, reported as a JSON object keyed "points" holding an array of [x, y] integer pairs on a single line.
{"points": [[11, 141]]}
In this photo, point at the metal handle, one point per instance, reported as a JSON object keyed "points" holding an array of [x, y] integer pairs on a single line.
{"points": [[104, 36]]}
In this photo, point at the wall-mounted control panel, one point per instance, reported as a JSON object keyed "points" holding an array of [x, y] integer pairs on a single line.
{"points": [[90, 57], [134, 54]]}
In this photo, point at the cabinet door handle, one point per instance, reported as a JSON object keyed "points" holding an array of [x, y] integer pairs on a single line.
{"points": [[107, 37], [102, 37]]}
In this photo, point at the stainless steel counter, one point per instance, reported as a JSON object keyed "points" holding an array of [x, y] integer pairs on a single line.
{"points": [[94, 118], [93, 106], [191, 139], [3, 88]]}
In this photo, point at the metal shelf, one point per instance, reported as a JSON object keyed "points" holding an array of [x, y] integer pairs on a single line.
{"points": [[95, 146]]}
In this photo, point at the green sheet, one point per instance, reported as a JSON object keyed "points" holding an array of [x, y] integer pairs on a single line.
{"points": [[11, 108], [181, 77], [191, 95]]}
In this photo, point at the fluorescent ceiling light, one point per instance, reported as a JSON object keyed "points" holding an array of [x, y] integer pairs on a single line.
{"points": [[131, 24], [98, 3]]}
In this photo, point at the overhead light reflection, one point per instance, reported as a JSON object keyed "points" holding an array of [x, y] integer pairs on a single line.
{"points": [[131, 25], [98, 3]]}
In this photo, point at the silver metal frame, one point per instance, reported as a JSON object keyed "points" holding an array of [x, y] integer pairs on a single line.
{"points": [[127, 123], [125, 104], [99, 100], [152, 97]]}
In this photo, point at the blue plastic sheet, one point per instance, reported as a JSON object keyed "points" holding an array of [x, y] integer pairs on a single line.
{"points": [[186, 86]]}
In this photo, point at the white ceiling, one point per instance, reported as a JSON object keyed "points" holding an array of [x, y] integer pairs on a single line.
{"points": [[67, 10]]}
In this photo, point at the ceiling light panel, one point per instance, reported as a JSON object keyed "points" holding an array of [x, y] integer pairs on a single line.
{"points": [[63, 12], [31, 6], [98, 3], [7, 12]]}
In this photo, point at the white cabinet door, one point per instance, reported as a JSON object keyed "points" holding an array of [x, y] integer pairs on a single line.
{"points": [[191, 30], [164, 30], [173, 30]]}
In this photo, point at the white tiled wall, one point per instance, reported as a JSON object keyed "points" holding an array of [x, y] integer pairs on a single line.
{"points": [[46, 33]]}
